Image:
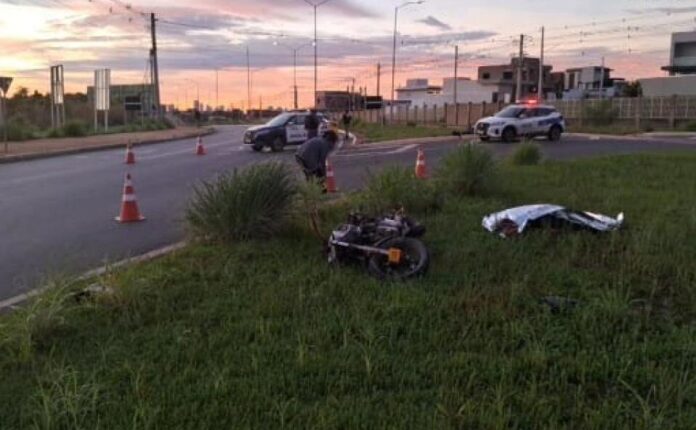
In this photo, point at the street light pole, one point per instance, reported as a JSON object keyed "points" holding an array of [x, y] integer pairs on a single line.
{"points": [[315, 6], [294, 77], [295, 50], [396, 15]]}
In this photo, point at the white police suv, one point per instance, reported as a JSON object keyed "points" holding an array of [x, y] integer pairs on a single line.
{"points": [[522, 120]]}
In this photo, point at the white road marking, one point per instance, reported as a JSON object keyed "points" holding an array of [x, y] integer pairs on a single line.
{"points": [[388, 151]]}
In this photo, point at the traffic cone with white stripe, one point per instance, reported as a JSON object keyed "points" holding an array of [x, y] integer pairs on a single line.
{"points": [[200, 149], [130, 155], [129, 204], [421, 169], [330, 178]]}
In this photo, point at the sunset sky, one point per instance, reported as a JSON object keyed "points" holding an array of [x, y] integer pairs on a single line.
{"points": [[198, 38]]}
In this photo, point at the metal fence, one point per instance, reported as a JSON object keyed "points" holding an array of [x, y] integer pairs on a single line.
{"points": [[640, 111]]}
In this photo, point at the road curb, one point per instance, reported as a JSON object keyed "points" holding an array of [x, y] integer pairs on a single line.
{"points": [[37, 156], [411, 141], [12, 302]]}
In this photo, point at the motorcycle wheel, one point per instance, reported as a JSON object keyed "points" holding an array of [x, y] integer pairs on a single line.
{"points": [[414, 262]]}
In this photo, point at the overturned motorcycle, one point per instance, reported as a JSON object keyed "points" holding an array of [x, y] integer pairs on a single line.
{"points": [[389, 246]]}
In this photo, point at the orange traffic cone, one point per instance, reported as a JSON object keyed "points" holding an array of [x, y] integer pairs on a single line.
{"points": [[130, 155], [129, 204], [200, 149], [421, 170], [330, 178]]}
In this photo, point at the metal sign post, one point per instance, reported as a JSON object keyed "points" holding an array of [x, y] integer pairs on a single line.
{"points": [[102, 97], [5, 83], [57, 97]]}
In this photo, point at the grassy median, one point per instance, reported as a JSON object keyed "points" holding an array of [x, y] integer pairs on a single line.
{"points": [[373, 133], [265, 335]]}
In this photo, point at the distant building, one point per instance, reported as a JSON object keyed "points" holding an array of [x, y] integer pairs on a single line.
{"points": [[419, 92], [682, 54], [682, 70], [586, 82], [336, 101], [669, 86], [502, 79]]}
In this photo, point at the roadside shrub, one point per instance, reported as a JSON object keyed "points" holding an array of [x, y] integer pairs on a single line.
{"points": [[167, 124], [55, 133], [468, 170], [602, 113], [411, 124], [18, 129], [74, 129], [254, 203], [690, 126], [526, 154], [396, 187]]}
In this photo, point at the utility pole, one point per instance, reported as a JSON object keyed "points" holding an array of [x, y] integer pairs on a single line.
{"points": [[155, 65], [248, 79], [316, 57], [393, 77], [294, 74], [456, 78], [352, 95], [520, 61], [379, 77], [217, 90], [601, 81], [540, 89]]}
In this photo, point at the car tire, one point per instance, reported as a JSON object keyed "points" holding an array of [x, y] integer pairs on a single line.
{"points": [[509, 135], [257, 147], [555, 133], [278, 144]]}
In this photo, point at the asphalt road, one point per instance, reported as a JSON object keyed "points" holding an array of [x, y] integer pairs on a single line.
{"points": [[57, 214]]}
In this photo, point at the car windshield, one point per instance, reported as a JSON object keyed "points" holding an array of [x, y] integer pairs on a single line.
{"points": [[510, 112], [279, 120]]}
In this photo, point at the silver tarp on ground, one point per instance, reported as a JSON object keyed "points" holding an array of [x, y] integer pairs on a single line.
{"points": [[514, 221]]}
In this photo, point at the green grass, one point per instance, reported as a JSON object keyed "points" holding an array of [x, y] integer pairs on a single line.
{"points": [[378, 133], [265, 335], [24, 132]]}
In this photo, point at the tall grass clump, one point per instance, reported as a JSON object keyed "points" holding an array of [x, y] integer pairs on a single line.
{"points": [[310, 196], [74, 129], [397, 187], [526, 154], [468, 170], [31, 327], [253, 203], [602, 113]]}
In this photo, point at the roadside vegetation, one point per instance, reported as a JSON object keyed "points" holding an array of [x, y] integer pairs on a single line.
{"points": [[29, 118], [261, 333], [378, 133], [19, 130], [528, 153]]}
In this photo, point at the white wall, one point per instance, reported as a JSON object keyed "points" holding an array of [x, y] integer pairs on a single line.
{"points": [[674, 85], [467, 91]]}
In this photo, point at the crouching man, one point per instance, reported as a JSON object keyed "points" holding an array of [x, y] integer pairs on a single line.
{"points": [[312, 155]]}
